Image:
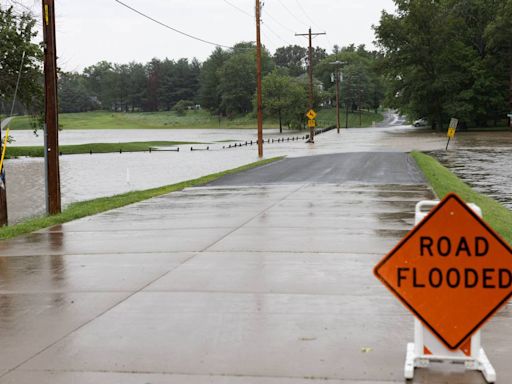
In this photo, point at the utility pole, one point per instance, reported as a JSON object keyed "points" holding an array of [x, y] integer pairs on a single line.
{"points": [[310, 59], [51, 134], [337, 74], [510, 100], [3, 188], [4, 218], [258, 79]]}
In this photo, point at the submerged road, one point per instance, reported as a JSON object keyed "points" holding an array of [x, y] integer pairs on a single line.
{"points": [[263, 277]]}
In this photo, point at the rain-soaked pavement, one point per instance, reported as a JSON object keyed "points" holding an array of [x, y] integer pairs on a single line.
{"points": [[235, 282]]}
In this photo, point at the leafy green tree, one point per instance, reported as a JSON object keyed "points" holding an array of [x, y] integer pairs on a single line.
{"points": [[447, 58], [73, 94], [138, 86], [285, 98], [101, 82], [238, 78], [362, 86], [17, 33], [209, 93], [291, 57]]}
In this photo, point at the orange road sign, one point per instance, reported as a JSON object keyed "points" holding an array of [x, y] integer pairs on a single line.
{"points": [[311, 123], [311, 115], [452, 271]]}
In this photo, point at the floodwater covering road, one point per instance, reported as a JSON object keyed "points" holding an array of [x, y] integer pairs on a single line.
{"points": [[479, 158]]}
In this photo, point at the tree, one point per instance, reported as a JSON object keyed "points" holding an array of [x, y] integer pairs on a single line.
{"points": [[238, 78], [362, 85], [138, 89], [101, 82], [292, 58], [441, 61], [73, 94], [209, 93], [16, 36], [285, 98]]}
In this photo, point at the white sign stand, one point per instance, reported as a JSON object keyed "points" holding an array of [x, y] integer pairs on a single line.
{"points": [[427, 348]]}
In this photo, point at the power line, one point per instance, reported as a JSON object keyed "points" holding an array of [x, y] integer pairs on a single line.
{"points": [[291, 13], [239, 9], [306, 14], [265, 25], [171, 28], [276, 34], [279, 23]]}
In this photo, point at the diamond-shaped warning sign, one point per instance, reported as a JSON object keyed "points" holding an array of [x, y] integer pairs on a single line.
{"points": [[311, 114], [452, 271]]}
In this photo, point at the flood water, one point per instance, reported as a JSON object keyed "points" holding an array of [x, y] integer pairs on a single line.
{"points": [[481, 159], [488, 171], [85, 177]]}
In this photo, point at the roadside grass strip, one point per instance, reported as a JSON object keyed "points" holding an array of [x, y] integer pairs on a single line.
{"points": [[443, 181], [94, 148], [92, 207]]}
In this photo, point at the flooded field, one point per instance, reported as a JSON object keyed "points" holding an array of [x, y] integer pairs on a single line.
{"points": [[481, 159]]}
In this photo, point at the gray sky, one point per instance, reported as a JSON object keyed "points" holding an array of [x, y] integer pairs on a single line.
{"points": [[92, 30]]}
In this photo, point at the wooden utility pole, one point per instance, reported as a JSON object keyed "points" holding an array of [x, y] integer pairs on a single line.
{"points": [[258, 79], [337, 65], [510, 100], [310, 64], [3, 190], [53, 198]]}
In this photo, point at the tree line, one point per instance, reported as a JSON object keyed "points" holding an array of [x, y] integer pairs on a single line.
{"points": [[225, 83], [449, 58]]}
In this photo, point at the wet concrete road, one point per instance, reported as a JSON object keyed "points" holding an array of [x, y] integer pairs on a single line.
{"points": [[360, 167], [237, 284]]}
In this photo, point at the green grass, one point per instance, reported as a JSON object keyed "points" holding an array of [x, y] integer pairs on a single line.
{"points": [[443, 182], [327, 117], [192, 119], [37, 151], [92, 207], [148, 120]]}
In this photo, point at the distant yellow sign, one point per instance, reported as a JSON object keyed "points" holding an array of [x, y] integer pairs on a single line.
{"points": [[311, 123], [452, 129], [311, 114], [2, 157]]}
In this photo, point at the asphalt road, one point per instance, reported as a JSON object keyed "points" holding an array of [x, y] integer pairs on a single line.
{"points": [[361, 167]]}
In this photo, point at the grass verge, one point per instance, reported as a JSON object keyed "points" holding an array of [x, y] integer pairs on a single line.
{"points": [[192, 119], [93, 207], [443, 181], [38, 151], [146, 120]]}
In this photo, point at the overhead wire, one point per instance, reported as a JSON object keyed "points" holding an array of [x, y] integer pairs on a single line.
{"points": [[275, 34], [279, 23], [239, 9], [306, 14], [265, 25], [313, 21], [172, 28], [291, 13]]}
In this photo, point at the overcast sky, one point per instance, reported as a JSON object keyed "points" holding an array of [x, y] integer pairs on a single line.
{"points": [[92, 30]]}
